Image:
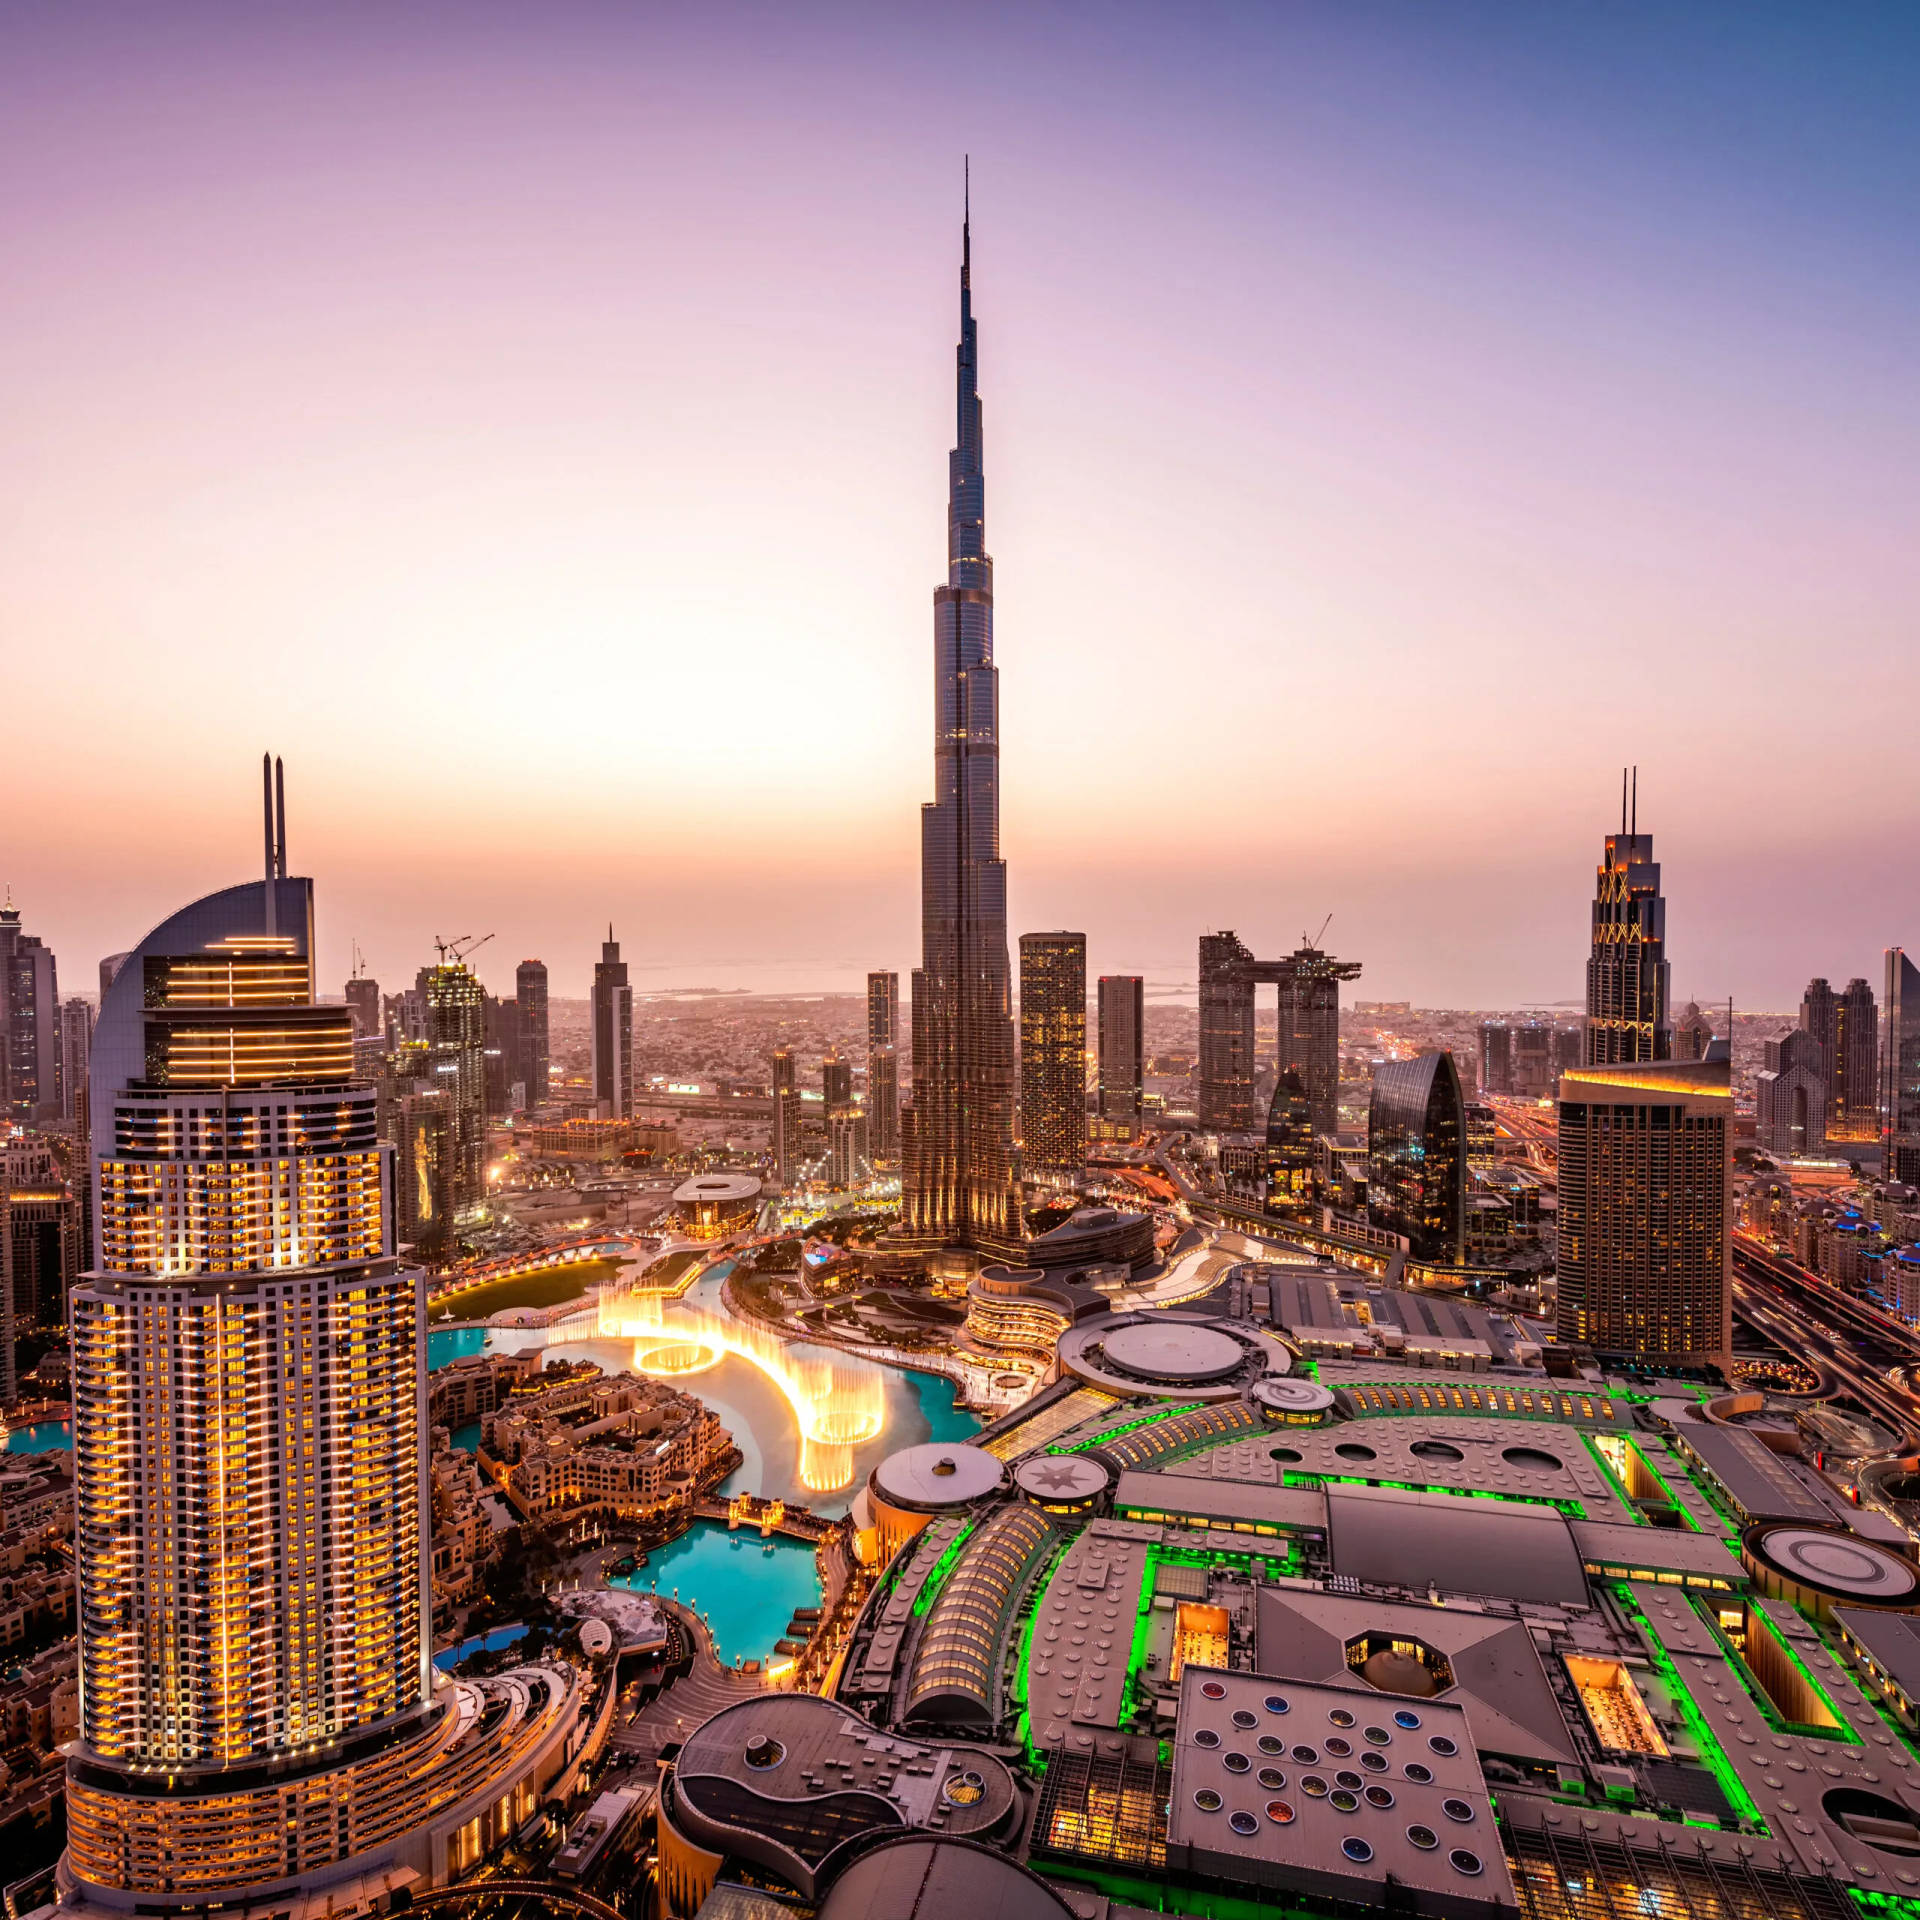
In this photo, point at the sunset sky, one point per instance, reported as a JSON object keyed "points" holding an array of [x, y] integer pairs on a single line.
{"points": [[532, 422]]}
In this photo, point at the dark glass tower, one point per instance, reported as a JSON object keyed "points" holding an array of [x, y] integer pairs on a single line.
{"points": [[1053, 1052], [959, 1187], [1417, 1155]]}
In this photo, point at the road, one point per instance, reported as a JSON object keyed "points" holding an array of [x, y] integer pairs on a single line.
{"points": [[1807, 1318]]}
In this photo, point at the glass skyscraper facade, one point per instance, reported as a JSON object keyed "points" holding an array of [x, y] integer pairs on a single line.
{"points": [[959, 1187], [1417, 1156], [1053, 1052], [1628, 990]]}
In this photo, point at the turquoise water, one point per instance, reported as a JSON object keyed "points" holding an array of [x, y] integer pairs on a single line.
{"points": [[489, 1643], [454, 1343], [467, 1438], [746, 1593], [45, 1436]]}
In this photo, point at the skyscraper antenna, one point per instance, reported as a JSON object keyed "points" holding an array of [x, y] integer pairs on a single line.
{"points": [[1633, 831], [266, 834], [966, 220], [1623, 799], [280, 817]]}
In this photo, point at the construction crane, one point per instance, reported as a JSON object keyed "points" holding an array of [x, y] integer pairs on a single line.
{"points": [[1314, 943], [460, 948]]}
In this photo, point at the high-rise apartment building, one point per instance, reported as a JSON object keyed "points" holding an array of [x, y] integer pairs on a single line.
{"points": [[1627, 973], [1496, 1057], [530, 991], [836, 1081], [1900, 1071], [1693, 1033], [1820, 1021], [258, 1715], [612, 1034], [76, 1053], [505, 1091], [457, 1067], [1645, 1258], [1053, 1052], [1122, 1028], [786, 1117], [847, 1153], [1417, 1156], [363, 1002], [1292, 1151], [883, 1065], [1790, 1094], [39, 1246], [1308, 1031], [29, 1024], [1853, 1111], [958, 1186], [418, 1125]]}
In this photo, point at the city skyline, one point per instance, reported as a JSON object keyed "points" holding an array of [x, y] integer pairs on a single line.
{"points": [[1435, 506]]}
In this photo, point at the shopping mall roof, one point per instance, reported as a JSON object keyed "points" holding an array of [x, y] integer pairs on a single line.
{"points": [[1384, 1537], [717, 1189]]}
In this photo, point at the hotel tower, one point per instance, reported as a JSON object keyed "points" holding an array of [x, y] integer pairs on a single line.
{"points": [[1627, 973], [258, 1711], [959, 1187]]}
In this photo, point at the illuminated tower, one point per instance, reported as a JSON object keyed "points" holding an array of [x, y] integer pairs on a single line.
{"points": [[248, 1396], [1900, 1071], [883, 1065], [1309, 1028], [1053, 1052], [958, 1187], [457, 1067], [1856, 1065], [1645, 1262], [1417, 1155], [29, 1024], [786, 1117], [1627, 984], [612, 1033]]}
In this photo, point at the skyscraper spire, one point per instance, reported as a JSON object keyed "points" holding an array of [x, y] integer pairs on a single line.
{"points": [[959, 1187]]}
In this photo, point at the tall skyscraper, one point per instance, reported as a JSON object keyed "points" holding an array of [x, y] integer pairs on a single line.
{"points": [[1053, 1052], [1227, 973], [1645, 1257], [29, 1024], [39, 1246], [530, 990], [786, 1117], [1123, 1061], [258, 1713], [1292, 1150], [836, 1081], [1417, 1156], [1820, 1021], [1790, 1094], [1900, 1071], [1693, 1033], [504, 1089], [958, 1187], [883, 1065], [1309, 1030], [363, 1002], [1627, 974], [1496, 1057], [457, 1066], [76, 1054], [612, 1033], [1854, 1112]]}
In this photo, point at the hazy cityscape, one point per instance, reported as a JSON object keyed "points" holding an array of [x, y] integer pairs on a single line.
{"points": [[1038, 1432]]}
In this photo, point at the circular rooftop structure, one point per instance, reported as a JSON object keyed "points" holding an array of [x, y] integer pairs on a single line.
{"points": [[937, 1476], [1175, 1354], [1824, 1568], [717, 1189], [1291, 1402], [1063, 1482], [1195, 1355]]}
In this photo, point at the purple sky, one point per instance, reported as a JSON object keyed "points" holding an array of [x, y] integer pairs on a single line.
{"points": [[532, 422]]}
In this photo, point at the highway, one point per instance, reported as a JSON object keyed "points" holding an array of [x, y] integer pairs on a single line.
{"points": [[1810, 1320]]}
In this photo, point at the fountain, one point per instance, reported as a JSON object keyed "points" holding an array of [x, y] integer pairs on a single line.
{"points": [[838, 1400]]}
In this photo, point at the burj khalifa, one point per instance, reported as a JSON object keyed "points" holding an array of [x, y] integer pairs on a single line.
{"points": [[960, 1186]]}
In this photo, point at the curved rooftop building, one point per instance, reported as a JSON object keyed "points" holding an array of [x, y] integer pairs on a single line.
{"points": [[1417, 1156]]}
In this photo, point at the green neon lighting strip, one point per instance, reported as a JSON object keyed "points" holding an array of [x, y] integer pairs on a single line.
{"points": [[1131, 1426], [1841, 1731], [1885, 1906], [1022, 1678], [1738, 1798], [937, 1578]]}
